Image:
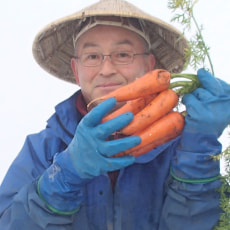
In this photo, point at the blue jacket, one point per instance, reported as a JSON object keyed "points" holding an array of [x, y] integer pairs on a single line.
{"points": [[172, 187]]}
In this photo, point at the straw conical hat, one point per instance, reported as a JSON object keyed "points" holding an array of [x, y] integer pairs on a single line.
{"points": [[53, 46]]}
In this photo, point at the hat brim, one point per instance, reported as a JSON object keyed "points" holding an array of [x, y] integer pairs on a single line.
{"points": [[53, 46]]}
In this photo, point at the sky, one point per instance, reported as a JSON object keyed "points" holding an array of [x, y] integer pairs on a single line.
{"points": [[28, 94]]}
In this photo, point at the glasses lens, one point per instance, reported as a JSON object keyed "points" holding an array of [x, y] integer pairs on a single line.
{"points": [[122, 57], [91, 59]]}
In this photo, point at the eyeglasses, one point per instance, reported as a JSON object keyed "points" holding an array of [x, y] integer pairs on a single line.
{"points": [[117, 58]]}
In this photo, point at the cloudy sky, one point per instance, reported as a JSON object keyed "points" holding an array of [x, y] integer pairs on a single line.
{"points": [[29, 94]]}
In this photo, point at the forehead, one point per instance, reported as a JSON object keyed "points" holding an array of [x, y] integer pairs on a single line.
{"points": [[103, 35]]}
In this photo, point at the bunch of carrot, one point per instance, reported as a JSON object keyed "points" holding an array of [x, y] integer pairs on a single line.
{"points": [[151, 99]]}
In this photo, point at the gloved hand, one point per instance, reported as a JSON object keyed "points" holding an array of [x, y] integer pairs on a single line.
{"points": [[87, 156], [208, 114], [208, 108], [89, 150]]}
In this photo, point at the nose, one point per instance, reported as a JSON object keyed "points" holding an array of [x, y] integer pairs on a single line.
{"points": [[107, 67]]}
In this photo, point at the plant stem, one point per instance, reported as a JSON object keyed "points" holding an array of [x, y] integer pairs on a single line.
{"points": [[190, 83], [205, 47], [192, 77]]}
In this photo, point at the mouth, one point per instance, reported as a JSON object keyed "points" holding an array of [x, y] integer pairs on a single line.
{"points": [[109, 86]]}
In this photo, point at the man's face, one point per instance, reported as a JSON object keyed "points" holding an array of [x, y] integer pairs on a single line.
{"points": [[96, 81]]}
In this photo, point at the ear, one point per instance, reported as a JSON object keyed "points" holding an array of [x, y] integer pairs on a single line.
{"points": [[151, 62], [74, 69]]}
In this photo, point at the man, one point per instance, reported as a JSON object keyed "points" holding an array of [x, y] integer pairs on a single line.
{"points": [[65, 176]]}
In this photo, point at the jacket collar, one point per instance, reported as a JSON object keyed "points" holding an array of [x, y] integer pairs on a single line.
{"points": [[65, 119]]}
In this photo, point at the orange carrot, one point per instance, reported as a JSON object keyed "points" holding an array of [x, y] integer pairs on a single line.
{"points": [[133, 106], [161, 131], [164, 102], [150, 83]]}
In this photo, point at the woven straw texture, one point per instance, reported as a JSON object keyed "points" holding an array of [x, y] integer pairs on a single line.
{"points": [[53, 45]]}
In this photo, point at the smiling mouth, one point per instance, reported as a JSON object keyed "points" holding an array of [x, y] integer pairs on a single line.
{"points": [[109, 85]]}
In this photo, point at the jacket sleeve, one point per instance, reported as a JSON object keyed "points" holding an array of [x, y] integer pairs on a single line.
{"points": [[192, 200], [19, 202]]}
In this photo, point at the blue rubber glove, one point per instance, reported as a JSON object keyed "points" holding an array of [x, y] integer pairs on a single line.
{"points": [[208, 108], [208, 114], [87, 156], [91, 153]]}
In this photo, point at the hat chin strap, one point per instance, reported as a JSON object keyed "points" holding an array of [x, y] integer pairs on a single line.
{"points": [[133, 24]]}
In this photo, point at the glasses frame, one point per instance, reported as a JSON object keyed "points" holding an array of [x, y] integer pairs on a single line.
{"points": [[111, 55]]}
